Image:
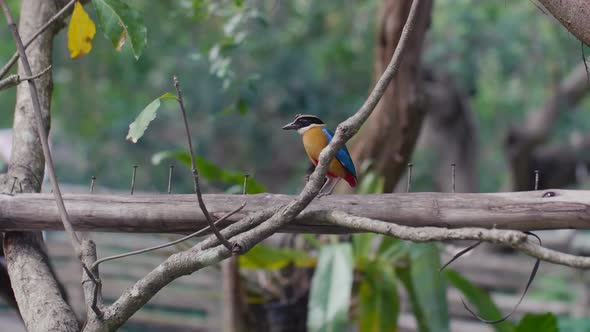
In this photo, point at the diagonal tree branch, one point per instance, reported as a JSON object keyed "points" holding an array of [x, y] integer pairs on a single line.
{"points": [[199, 257], [344, 132]]}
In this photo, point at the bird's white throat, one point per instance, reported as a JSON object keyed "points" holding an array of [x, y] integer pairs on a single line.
{"points": [[304, 129]]}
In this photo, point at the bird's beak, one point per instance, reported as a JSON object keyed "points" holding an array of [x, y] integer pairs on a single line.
{"points": [[290, 126]]}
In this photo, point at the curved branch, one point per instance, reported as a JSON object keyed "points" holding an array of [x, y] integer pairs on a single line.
{"points": [[515, 239]]}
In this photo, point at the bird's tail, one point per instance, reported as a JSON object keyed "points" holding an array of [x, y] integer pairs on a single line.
{"points": [[351, 179]]}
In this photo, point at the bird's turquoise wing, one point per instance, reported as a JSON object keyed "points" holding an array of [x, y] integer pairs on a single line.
{"points": [[343, 156]]}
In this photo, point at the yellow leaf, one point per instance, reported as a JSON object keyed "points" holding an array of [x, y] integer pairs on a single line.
{"points": [[80, 32]]}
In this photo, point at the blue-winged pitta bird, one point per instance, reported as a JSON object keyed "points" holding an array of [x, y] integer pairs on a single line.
{"points": [[315, 138]]}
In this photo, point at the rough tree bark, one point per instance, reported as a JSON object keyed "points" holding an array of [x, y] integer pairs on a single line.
{"points": [[41, 303], [573, 15], [390, 134], [532, 210], [450, 134], [522, 145]]}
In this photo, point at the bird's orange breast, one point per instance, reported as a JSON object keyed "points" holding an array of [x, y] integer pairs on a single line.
{"points": [[314, 141]]}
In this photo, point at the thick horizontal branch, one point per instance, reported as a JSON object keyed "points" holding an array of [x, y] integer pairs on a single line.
{"points": [[533, 210]]}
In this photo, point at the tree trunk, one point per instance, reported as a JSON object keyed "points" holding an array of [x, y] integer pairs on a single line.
{"points": [[390, 134], [37, 292], [450, 134]]}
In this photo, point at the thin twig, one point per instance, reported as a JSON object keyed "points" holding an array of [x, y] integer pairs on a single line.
{"points": [[194, 170], [182, 239], [14, 80], [42, 133], [42, 29]]}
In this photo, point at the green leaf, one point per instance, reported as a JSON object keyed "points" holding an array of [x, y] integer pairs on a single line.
{"points": [[378, 299], [269, 258], [331, 287], [361, 247], [168, 95], [391, 248], [121, 23], [142, 121], [210, 170], [546, 322], [480, 299], [427, 288]]}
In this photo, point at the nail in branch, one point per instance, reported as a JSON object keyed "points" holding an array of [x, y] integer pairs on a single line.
{"points": [[42, 133], [42, 29], [170, 179], [536, 179], [133, 179], [92, 182], [195, 172], [409, 177]]}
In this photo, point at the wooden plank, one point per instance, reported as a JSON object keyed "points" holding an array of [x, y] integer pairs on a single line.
{"points": [[531, 210]]}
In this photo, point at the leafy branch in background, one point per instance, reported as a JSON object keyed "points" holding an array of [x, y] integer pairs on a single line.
{"points": [[208, 169], [211, 171], [119, 23], [237, 16]]}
